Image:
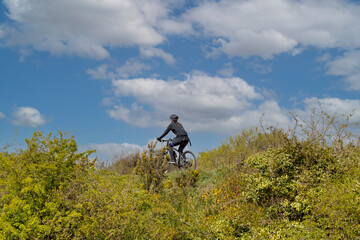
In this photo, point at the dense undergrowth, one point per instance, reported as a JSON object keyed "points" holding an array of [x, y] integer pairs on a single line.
{"points": [[260, 184]]}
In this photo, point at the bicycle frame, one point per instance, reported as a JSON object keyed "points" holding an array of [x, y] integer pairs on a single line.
{"points": [[186, 159], [175, 149]]}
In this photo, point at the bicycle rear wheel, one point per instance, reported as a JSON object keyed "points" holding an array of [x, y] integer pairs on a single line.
{"points": [[188, 160]]}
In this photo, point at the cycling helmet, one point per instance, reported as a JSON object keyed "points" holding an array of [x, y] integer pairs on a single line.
{"points": [[174, 116]]}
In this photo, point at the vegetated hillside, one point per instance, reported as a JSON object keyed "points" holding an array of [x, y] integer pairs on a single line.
{"points": [[260, 184]]}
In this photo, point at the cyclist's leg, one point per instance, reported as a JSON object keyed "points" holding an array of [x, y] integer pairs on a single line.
{"points": [[176, 142], [182, 146], [182, 142], [171, 151]]}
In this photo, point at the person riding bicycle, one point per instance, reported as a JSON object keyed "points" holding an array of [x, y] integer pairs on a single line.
{"points": [[181, 138]]}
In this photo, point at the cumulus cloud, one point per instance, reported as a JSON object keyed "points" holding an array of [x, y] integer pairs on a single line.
{"points": [[132, 67], [107, 151], [101, 72], [340, 109], [176, 26], [204, 103], [135, 114], [28, 117], [266, 43], [242, 28], [2, 115], [266, 28], [324, 58], [347, 66], [227, 71], [149, 52], [334, 106], [269, 112], [239, 28], [209, 104], [85, 28]]}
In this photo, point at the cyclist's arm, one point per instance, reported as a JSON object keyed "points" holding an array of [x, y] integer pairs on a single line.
{"points": [[166, 131]]}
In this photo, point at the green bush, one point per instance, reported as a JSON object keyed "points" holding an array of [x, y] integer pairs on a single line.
{"points": [[31, 179], [124, 165], [152, 167], [269, 184], [239, 147]]}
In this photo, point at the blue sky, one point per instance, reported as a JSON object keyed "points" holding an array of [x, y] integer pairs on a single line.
{"points": [[111, 72]]}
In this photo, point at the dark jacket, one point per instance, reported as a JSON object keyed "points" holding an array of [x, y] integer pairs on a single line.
{"points": [[177, 129]]}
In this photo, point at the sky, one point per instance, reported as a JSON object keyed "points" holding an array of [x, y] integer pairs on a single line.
{"points": [[111, 72]]}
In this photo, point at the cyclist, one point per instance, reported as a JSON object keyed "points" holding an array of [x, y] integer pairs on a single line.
{"points": [[181, 138]]}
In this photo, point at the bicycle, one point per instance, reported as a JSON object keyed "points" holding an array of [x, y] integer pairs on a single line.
{"points": [[185, 160]]}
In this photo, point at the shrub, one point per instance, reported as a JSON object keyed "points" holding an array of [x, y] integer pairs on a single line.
{"points": [[124, 164], [188, 178], [258, 185], [152, 167], [239, 147], [30, 179]]}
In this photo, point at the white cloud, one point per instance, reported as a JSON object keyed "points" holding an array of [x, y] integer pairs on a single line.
{"points": [[2, 115], [149, 52], [333, 106], [132, 67], [266, 43], [340, 109], [269, 111], [28, 117], [240, 28], [266, 28], [107, 151], [209, 104], [101, 72], [204, 103], [135, 115], [171, 26], [85, 28], [324, 58], [227, 71], [348, 66], [297, 50]]}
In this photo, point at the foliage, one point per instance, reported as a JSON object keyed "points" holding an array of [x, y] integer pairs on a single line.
{"points": [[239, 147], [303, 183], [31, 180], [124, 165], [152, 167]]}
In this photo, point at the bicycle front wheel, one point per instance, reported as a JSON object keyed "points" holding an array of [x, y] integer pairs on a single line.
{"points": [[189, 160]]}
